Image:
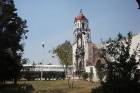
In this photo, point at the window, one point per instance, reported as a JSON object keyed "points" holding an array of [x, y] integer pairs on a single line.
{"points": [[78, 25], [83, 25]]}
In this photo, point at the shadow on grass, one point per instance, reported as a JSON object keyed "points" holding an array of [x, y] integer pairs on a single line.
{"points": [[97, 90], [19, 88], [128, 87], [51, 91]]}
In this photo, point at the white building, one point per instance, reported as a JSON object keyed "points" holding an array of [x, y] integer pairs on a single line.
{"points": [[44, 72], [43, 67], [80, 45], [136, 45], [83, 47]]}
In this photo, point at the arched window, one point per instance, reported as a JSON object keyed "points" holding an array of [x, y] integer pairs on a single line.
{"points": [[78, 25], [83, 25]]}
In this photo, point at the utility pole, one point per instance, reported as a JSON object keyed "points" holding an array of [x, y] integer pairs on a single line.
{"points": [[43, 52]]}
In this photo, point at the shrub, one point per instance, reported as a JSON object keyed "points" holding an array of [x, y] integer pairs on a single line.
{"points": [[85, 75]]}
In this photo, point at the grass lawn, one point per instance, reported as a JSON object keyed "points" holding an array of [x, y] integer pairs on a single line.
{"points": [[61, 86]]}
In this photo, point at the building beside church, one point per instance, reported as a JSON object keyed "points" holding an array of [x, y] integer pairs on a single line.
{"points": [[136, 45], [43, 72]]}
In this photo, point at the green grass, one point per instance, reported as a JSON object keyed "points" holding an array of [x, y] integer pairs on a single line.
{"points": [[61, 86]]}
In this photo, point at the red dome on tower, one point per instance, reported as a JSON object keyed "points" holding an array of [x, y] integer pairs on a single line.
{"points": [[81, 16]]}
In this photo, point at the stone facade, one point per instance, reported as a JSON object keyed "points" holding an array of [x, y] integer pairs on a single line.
{"points": [[85, 53], [82, 38]]}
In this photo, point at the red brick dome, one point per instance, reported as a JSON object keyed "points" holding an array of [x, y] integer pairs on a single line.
{"points": [[81, 16]]}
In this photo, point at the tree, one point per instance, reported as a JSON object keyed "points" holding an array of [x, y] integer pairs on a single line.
{"points": [[12, 31], [25, 61], [138, 1], [120, 66], [64, 52], [85, 75]]}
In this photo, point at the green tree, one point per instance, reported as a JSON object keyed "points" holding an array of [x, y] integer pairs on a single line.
{"points": [[64, 52], [120, 66], [85, 75], [12, 31], [25, 61]]}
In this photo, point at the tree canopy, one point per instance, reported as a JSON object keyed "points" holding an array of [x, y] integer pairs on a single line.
{"points": [[120, 65], [12, 32], [64, 52]]}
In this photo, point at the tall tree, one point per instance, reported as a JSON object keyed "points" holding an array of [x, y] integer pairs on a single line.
{"points": [[12, 31], [138, 1], [64, 52], [120, 65]]}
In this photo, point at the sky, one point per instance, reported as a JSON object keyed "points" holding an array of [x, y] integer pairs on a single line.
{"points": [[52, 22]]}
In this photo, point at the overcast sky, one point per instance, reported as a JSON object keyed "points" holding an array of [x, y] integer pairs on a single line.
{"points": [[51, 21]]}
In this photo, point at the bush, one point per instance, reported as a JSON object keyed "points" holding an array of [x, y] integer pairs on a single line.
{"points": [[120, 66], [85, 75], [54, 75], [97, 90], [121, 87]]}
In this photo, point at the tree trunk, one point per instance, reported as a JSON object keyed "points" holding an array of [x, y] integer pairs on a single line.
{"points": [[66, 71], [4, 82]]}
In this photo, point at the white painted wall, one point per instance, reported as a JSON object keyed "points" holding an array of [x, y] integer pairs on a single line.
{"points": [[46, 67], [95, 77], [135, 43]]}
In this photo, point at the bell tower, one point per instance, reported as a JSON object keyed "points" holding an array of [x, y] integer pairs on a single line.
{"points": [[81, 26], [82, 37]]}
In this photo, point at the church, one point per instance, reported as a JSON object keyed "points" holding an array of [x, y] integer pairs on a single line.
{"points": [[85, 53]]}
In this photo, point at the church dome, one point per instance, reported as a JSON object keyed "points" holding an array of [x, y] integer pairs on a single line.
{"points": [[80, 17]]}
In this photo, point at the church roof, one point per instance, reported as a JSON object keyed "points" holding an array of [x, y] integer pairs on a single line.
{"points": [[81, 16]]}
